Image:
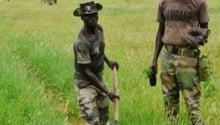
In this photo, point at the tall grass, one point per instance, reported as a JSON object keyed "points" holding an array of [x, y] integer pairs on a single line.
{"points": [[36, 63], [23, 99]]}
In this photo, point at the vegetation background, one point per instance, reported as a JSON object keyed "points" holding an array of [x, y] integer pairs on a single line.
{"points": [[36, 62]]}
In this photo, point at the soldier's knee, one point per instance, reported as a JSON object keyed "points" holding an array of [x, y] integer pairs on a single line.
{"points": [[91, 114]]}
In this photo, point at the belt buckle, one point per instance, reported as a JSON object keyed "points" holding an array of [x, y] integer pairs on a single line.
{"points": [[184, 52], [189, 52], [172, 49], [175, 50]]}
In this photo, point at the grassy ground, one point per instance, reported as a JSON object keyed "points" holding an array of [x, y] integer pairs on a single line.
{"points": [[36, 63]]}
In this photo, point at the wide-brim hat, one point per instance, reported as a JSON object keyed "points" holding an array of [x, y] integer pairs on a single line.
{"points": [[87, 8]]}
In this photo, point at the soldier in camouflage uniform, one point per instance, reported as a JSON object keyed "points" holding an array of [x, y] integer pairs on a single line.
{"points": [[179, 57], [89, 56]]}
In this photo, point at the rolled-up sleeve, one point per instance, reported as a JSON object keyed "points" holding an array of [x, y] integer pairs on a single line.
{"points": [[82, 53], [160, 16]]}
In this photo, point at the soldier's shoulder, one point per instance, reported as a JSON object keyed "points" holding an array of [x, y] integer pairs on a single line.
{"points": [[80, 44], [162, 2], [80, 38], [200, 2]]}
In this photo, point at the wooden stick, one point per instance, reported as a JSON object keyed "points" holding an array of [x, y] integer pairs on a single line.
{"points": [[116, 100]]}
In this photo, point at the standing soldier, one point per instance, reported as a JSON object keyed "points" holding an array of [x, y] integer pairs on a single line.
{"points": [[177, 20], [89, 56]]}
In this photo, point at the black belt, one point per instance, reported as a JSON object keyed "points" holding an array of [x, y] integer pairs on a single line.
{"points": [[182, 51]]}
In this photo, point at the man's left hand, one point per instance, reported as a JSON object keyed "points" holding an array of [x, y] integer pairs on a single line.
{"points": [[113, 64]]}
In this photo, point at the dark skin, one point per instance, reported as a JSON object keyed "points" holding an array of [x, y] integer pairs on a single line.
{"points": [[159, 43], [90, 23]]}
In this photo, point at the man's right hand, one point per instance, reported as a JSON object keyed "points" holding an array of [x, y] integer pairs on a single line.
{"points": [[112, 96]]}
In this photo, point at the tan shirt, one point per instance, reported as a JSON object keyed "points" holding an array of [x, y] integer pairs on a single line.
{"points": [[179, 16]]}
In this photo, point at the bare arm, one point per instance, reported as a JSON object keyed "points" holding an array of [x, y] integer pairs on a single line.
{"points": [[110, 63], [106, 59], [97, 83], [94, 80], [158, 44]]}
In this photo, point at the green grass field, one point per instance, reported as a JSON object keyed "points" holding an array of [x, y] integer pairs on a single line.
{"points": [[36, 63]]}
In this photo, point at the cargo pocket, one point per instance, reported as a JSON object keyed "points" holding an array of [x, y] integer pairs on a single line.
{"points": [[186, 78], [203, 68]]}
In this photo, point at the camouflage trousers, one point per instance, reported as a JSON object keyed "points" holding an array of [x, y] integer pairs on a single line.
{"points": [[94, 104], [179, 74]]}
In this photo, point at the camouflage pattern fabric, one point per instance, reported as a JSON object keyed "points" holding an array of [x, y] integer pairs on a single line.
{"points": [[94, 104], [179, 74], [197, 36]]}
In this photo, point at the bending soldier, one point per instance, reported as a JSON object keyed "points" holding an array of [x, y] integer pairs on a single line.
{"points": [[89, 64]]}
